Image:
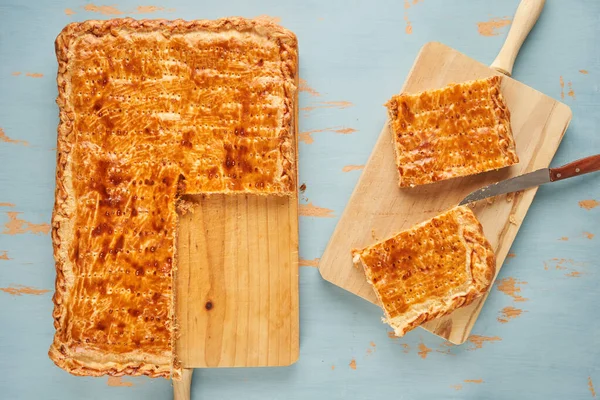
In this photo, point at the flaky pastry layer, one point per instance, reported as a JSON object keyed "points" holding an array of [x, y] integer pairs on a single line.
{"points": [[429, 270]]}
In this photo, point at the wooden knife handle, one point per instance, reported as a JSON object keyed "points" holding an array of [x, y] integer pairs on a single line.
{"points": [[579, 167], [525, 18]]}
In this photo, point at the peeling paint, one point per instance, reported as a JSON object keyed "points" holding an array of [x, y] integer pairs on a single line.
{"points": [[405, 348], [118, 381], [423, 350], [353, 364], [509, 287], [332, 367], [148, 9], [16, 73], [68, 11], [583, 71], [351, 167], [478, 341], [591, 387], [303, 87], [589, 204], [564, 238], [4, 255], [456, 387], [511, 255], [104, 10], [508, 313], [588, 235], [34, 75], [493, 26], [310, 210], [6, 139], [7, 204], [307, 138], [574, 274], [18, 290], [562, 87], [309, 263], [571, 92], [392, 335], [476, 381], [16, 225], [328, 104]]}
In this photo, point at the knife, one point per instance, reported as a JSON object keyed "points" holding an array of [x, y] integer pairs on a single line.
{"points": [[536, 178]]}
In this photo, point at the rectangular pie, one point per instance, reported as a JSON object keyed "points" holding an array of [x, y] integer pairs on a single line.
{"points": [[429, 270], [151, 110], [458, 130]]}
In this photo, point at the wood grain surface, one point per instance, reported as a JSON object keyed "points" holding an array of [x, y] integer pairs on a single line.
{"points": [[237, 282], [378, 208]]}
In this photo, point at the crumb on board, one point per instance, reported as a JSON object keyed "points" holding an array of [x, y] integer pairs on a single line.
{"points": [[512, 219], [510, 196]]}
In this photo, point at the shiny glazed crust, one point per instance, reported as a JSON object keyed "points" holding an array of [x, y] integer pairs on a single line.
{"points": [[82, 360], [458, 130], [403, 267]]}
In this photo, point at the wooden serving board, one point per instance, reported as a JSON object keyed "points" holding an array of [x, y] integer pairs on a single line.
{"points": [[378, 208], [237, 282]]}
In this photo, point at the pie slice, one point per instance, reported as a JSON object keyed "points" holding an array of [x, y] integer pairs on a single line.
{"points": [[461, 129], [151, 110], [429, 270]]}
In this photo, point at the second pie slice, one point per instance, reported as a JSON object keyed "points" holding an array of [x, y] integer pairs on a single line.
{"points": [[429, 270], [458, 130]]}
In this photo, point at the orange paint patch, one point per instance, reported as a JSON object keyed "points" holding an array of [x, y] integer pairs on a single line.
{"points": [[508, 313], [309, 210], [351, 167], [7, 205], [18, 290], [511, 255], [423, 350], [118, 381], [4, 255], [509, 287], [6, 139], [591, 386], [307, 138], [16, 226], [571, 92], [493, 26], [583, 71], [562, 87], [34, 75], [476, 381], [16, 73], [588, 204], [564, 238], [478, 341], [372, 344], [588, 235], [303, 87], [268, 18], [309, 263], [332, 367], [574, 274], [353, 364], [104, 10], [68, 11], [456, 387], [405, 348], [329, 104], [148, 9]]}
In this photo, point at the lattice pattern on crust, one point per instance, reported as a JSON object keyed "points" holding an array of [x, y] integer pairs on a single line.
{"points": [[429, 270], [150, 110], [461, 129]]}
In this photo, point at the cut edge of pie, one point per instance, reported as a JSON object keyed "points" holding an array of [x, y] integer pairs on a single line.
{"points": [[480, 265], [95, 363], [414, 147]]}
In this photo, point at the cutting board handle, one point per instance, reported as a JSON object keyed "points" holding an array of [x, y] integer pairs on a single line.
{"points": [[525, 18], [182, 388]]}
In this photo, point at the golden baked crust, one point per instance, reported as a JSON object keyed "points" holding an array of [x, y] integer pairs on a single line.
{"points": [[149, 110], [429, 270], [461, 129]]}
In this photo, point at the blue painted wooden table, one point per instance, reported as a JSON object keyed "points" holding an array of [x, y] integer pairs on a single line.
{"points": [[538, 335]]}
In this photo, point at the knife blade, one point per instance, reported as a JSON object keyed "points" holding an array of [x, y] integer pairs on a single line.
{"points": [[535, 178]]}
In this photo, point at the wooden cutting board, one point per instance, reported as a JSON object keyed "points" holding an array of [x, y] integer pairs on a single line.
{"points": [[237, 283], [378, 209]]}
